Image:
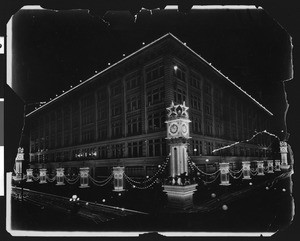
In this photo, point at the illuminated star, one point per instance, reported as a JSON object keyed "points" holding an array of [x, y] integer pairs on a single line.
{"points": [[171, 110], [184, 109]]}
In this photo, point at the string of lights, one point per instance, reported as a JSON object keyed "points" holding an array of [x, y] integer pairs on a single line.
{"points": [[73, 181], [51, 179], [245, 141], [235, 172], [100, 182], [198, 169], [208, 182], [160, 170], [236, 177], [141, 188], [103, 183]]}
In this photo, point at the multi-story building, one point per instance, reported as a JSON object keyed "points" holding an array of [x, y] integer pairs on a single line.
{"points": [[117, 117]]}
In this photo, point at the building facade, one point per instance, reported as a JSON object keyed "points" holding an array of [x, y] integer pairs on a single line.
{"points": [[117, 117]]}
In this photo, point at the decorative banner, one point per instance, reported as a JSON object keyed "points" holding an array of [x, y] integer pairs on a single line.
{"points": [[246, 170], [277, 165], [84, 177], [43, 175], [29, 175], [270, 166], [118, 173], [60, 176], [224, 171], [260, 168]]}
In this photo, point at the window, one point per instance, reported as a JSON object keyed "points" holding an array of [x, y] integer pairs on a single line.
{"points": [[156, 121], [132, 81], [207, 108], [134, 126], [179, 96], [102, 112], [195, 82], [157, 147], [87, 136], [135, 149], [196, 124], [116, 129], [117, 150], [179, 72], [196, 147], [196, 102], [102, 95], [209, 148], [208, 127], [133, 103], [218, 129], [154, 72], [135, 171], [207, 88], [102, 152], [87, 117], [156, 95], [102, 132], [116, 90], [116, 109], [87, 101]]}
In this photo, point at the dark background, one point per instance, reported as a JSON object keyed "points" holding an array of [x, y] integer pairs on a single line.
{"points": [[72, 69]]}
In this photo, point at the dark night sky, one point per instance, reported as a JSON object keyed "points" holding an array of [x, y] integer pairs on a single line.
{"points": [[55, 49]]}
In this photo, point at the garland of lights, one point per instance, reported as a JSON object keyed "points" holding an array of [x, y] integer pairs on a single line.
{"points": [[35, 178], [245, 141], [208, 182], [50, 179], [208, 174], [71, 182], [235, 172], [134, 186], [235, 176], [101, 183], [160, 170]]}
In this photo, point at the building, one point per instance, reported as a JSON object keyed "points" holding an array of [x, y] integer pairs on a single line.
{"points": [[117, 117]]}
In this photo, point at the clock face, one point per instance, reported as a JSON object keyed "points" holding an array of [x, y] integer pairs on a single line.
{"points": [[173, 128], [184, 129]]}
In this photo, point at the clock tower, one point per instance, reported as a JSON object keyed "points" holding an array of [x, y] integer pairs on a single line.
{"points": [[180, 192], [178, 134]]}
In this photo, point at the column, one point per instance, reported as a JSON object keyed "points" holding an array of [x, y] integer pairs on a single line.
{"points": [[260, 168], [270, 166], [246, 170], [43, 175], [283, 152], [84, 177], [224, 176], [29, 175], [60, 176], [118, 173], [277, 165]]}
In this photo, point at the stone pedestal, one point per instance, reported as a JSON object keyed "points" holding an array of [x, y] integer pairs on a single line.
{"points": [[260, 168], [246, 170], [277, 166], [60, 176], [180, 197], [283, 151], [29, 175], [118, 173], [270, 166], [43, 173], [224, 176], [84, 177]]}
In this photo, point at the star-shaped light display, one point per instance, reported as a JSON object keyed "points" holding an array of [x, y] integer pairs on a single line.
{"points": [[172, 110]]}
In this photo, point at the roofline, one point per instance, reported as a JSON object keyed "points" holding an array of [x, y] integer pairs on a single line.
{"points": [[219, 72], [138, 51]]}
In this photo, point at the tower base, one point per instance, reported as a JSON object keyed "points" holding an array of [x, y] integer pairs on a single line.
{"points": [[180, 197]]}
